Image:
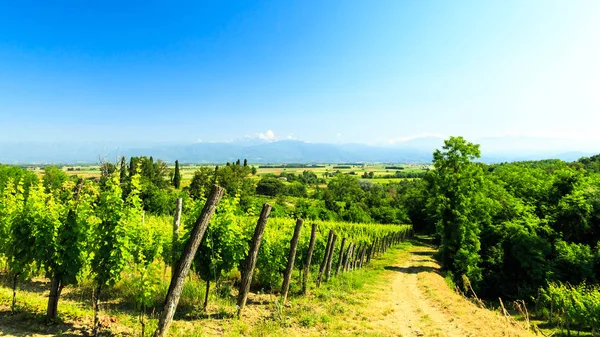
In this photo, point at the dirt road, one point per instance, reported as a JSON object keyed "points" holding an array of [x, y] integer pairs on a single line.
{"points": [[416, 301]]}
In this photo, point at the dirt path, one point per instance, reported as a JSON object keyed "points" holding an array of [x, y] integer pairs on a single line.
{"points": [[416, 301]]}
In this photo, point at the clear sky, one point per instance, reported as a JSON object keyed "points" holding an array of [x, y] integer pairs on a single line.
{"points": [[321, 71]]}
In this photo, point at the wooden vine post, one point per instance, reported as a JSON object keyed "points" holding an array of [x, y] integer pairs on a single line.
{"points": [[252, 257], [341, 257], [176, 225], [330, 258], [324, 263], [348, 257], [311, 248], [183, 266], [362, 256], [291, 257]]}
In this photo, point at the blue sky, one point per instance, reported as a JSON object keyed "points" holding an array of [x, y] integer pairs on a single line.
{"points": [[322, 71]]}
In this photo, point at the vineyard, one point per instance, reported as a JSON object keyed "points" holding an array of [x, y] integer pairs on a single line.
{"points": [[566, 306], [87, 233]]}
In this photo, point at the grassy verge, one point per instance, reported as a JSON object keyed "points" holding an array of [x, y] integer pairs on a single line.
{"points": [[323, 310]]}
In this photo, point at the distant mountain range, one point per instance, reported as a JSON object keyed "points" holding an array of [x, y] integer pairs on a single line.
{"points": [[418, 150]]}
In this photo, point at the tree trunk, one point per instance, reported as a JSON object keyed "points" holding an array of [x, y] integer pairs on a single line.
{"points": [[324, 262], [252, 257], [55, 290], [330, 258], [184, 264], [143, 321], [341, 257], [311, 248], [14, 289], [176, 224], [291, 257], [96, 304], [206, 294]]}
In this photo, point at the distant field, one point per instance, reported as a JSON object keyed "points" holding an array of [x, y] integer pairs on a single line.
{"points": [[323, 171]]}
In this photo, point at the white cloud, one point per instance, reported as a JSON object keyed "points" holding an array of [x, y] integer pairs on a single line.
{"points": [[338, 135], [269, 136]]}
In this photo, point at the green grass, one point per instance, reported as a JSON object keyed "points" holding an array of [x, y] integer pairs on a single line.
{"points": [[322, 309]]}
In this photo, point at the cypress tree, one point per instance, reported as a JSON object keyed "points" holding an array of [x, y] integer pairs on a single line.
{"points": [[177, 176], [123, 173], [245, 162]]}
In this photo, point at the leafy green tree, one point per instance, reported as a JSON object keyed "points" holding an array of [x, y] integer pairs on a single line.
{"points": [[53, 178], [270, 186], [20, 248], [106, 171], [9, 209], [201, 182], [456, 183], [296, 189], [177, 176], [345, 188], [231, 177], [62, 239]]}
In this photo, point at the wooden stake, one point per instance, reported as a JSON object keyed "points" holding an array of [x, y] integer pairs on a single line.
{"points": [[291, 257], [330, 259], [324, 263], [176, 224], [183, 266], [311, 248], [252, 257], [341, 257]]}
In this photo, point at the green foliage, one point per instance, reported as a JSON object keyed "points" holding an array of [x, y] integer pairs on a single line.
{"points": [[201, 182], [295, 189], [457, 182], [112, 236], [568, 305], [16, 176], [224, 245], [270, 186], [62, 236], [53, 178], [17, 245]]}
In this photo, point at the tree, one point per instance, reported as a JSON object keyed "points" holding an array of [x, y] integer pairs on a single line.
{"points": [[53, 178], [20, 248], [270, 186], [123, 172], [456, 182], [295, 189], [177, 176], [62, 239], [106, 171], [201, 182]]}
